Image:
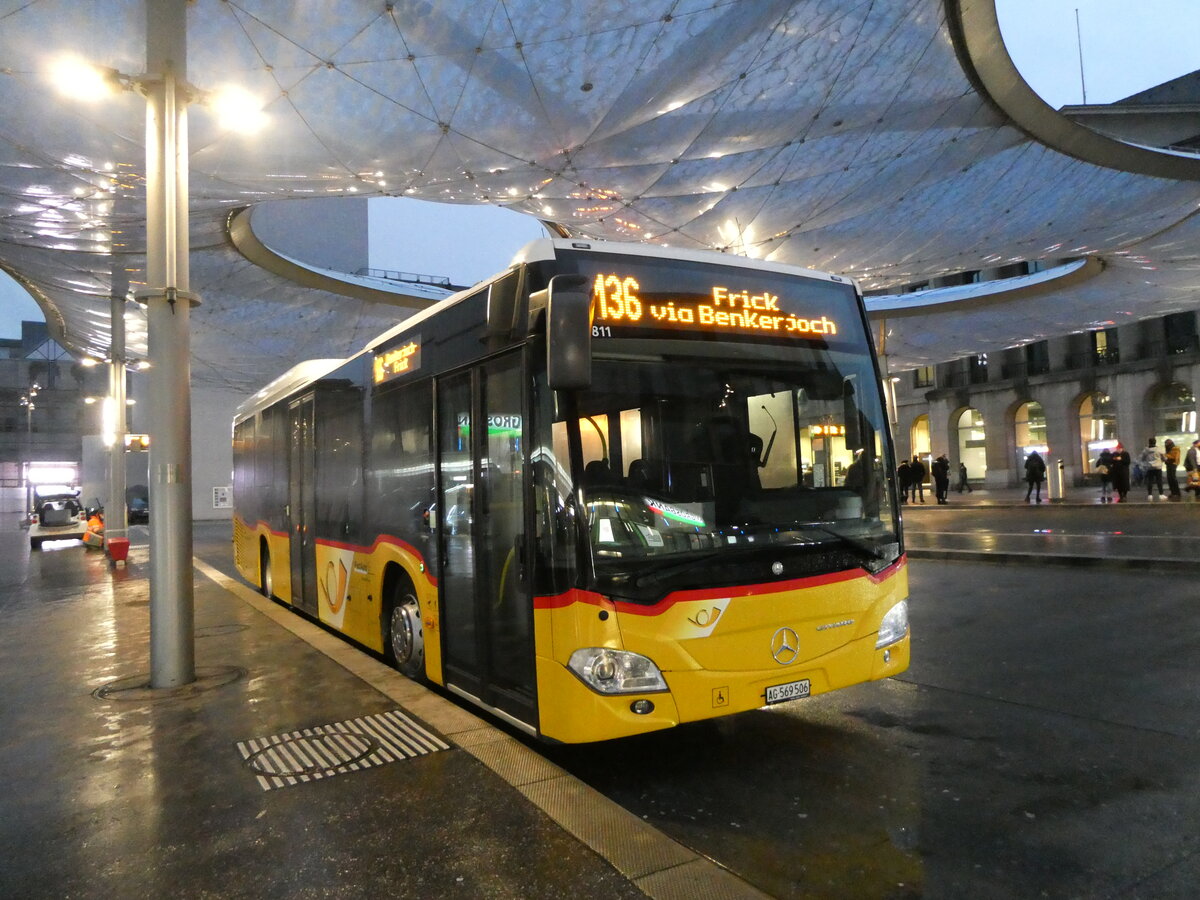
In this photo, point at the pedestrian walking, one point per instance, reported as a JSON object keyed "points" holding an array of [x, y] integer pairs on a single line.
{"points": [[903, 480], [1191, 464], [1104, 466], [941, 478], [916, 474], [1150, 460], [963, 484], [1121, 461], [1035, 474], [1170, 458]]}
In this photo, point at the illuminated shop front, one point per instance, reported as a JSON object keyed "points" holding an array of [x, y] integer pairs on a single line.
{"points": [[922, 446], [1173, 412], [972, 439], [1097, 427], [1029, 429]]}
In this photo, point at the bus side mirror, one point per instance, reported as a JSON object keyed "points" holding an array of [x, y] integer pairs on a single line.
{"points": [[569, 333]]}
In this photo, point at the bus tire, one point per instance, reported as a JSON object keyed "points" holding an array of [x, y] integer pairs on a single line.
{"points": [[266, 581], [404, 639]]}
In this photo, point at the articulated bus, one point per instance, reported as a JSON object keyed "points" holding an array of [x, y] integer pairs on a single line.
{"points": [[613, 489]]}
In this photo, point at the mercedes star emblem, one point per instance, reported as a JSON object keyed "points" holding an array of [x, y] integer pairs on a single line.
{"points": [[785, 646]]}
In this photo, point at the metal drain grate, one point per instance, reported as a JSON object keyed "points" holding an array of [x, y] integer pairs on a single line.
{"points": [[325, 750]]}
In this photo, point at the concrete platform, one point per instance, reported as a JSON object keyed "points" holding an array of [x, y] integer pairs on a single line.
{"points": [[1000, 526], [296, 766]]}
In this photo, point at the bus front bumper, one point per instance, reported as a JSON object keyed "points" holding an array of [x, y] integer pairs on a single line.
{"points": [[571, 712]]}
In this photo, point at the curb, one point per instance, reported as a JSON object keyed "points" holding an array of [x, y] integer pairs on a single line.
{"points": [[1156, 563]]}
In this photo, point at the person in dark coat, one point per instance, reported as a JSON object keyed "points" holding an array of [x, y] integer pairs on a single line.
{"points": [[963, 484], [916, 472], [1104, 468], [903, 480], [1191, 465], [1035, 474], [941, 478], [1170, 458], [1120, 471]]}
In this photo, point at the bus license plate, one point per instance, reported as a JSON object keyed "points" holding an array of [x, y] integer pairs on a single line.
{"points": [[793, 690]]}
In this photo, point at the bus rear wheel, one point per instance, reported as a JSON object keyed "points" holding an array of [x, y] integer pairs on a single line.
{"points": [[266, 581], [405, 644]]}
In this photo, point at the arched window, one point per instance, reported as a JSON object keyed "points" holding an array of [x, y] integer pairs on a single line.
{"points": [[1173, 414], [1097, 427], [919, 437], [1030, 431], [972, 439]]}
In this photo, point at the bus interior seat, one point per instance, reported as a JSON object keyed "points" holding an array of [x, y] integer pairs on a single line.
{"points": [[638, 475], [597, 472]]}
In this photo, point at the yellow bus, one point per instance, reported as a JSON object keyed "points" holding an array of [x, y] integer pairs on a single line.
{"points": [[613, 489]]}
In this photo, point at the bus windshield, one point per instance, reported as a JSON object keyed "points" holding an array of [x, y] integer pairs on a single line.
{"points": [[732, 462]]}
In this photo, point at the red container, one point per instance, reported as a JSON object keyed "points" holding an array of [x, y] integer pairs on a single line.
{"points": [[118, 549]]}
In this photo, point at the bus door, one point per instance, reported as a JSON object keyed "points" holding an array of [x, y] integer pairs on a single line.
{"points": [[486, 608], [302, 503]]}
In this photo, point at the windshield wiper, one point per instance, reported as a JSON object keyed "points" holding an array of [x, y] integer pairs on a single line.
{"points": [[875, 551], [673, 565]]}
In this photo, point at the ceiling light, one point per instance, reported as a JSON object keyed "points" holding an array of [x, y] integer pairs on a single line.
{"points": [[73, 77], [236, 109]]}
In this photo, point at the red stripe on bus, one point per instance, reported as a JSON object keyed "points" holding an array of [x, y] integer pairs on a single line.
{"points": [[575, 595]]}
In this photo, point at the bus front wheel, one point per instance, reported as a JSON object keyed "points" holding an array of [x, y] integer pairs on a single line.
{"points": [[405, 645]]}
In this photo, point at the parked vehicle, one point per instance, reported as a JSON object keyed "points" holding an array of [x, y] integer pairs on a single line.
{"points": [[137, 502], [57, 515]]}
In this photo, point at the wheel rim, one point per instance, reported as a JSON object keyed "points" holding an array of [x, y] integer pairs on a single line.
{"points": [[402, 633], [406, 637]]}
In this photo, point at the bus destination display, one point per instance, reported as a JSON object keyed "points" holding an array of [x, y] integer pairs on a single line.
{"points": [[398, 361], [620, 307]]}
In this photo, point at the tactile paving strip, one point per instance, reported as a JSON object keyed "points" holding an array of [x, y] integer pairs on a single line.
{"points": [[325, 750]]}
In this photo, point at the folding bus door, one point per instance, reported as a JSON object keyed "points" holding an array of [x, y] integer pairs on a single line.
{"points": [[487, 616], [302, 503]]}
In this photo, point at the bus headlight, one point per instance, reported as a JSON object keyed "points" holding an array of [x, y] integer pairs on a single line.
{"points": [[616, 671], [894, 625]]}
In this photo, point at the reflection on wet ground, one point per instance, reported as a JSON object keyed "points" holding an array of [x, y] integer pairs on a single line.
{"points": [[140, 796], [1043, 743]]}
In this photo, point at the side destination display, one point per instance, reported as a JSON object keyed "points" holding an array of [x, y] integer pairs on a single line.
{"points": [[398, 361], [629, 300]]}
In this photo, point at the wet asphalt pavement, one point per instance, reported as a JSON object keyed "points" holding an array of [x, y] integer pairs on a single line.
{"points": [[1043, 743]]}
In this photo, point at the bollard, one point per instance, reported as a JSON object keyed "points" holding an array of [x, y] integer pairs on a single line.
{"points": [[1057, 481]]}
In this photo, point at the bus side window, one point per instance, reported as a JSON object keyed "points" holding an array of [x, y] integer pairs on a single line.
{"points": [[401, 494]]}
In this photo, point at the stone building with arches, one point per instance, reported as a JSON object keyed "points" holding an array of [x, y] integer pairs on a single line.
{"points": [[1067, 398]]}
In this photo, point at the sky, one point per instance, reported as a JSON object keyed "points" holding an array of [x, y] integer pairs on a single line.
{"points": [[465, 243], [16, 306], [1128, 45]]}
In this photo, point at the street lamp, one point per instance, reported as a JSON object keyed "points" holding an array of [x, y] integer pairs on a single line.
{"points": [[29, 401], [234, 108], [168, 300]]}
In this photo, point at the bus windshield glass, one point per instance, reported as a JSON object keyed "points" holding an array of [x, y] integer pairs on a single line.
{"points": [[712, 463]]}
